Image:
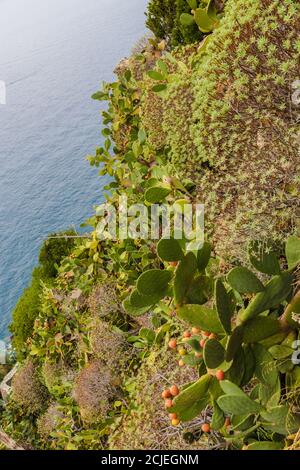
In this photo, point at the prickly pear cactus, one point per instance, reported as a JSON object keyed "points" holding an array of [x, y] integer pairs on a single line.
{"points": [[243, 332]]}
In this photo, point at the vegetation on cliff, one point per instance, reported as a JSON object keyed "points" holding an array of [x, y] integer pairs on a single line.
{"points": [[145, 344]]}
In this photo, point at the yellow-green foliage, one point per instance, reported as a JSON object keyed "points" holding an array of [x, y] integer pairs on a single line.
{"points": [[94, 388], [241, 124], [56, 375], [148, 425], [28, 391], [47, 422]]}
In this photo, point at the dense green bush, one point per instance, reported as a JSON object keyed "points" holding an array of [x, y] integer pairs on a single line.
{"points": [[54, 249], [27, 309], [163, 19], [25, 313]]}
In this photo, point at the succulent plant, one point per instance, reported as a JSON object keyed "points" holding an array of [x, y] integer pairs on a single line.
{"points": [[249, 317], [205, 15]]}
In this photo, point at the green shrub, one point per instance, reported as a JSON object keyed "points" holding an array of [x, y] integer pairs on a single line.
{"points": [[28, 306], [47, 423], [57, 375], [163, 19], [54, 249], [25, 313]]}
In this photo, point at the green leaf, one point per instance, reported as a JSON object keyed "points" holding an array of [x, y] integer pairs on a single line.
{"points": [[223, 306], [195, 344], [200, 290], [155, 75], [134, 311], [147, 334], [128, 75], [201, 317], [242, 422], [265, 370], [280, 352], [203, 20], [237, 370], [212, 11], [265, 445], [186, 19], [163, 67], [235, 342], [278, 419], [292, 252], [153, 281], [191, 360], [183, 277], [269, 396], [203, 256], [192, 400], [169, 249], [142, 136], [238, 405], [244, 281], [100, 96], [250, 364], [157, 194], [139, 301], [230, 388], [159, 88], [259, 328], [218, 418], [193, 4], [276, 291], [264, 259], [213, 353]]}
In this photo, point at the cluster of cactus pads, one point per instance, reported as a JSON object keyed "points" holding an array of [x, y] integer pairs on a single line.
{"points": [[254, 324], [203, 13]]}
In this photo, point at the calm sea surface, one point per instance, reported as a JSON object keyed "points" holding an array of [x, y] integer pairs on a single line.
{"points": [[53, 56]]}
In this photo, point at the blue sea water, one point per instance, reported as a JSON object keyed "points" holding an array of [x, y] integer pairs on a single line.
{"points": [[53, 56]]}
